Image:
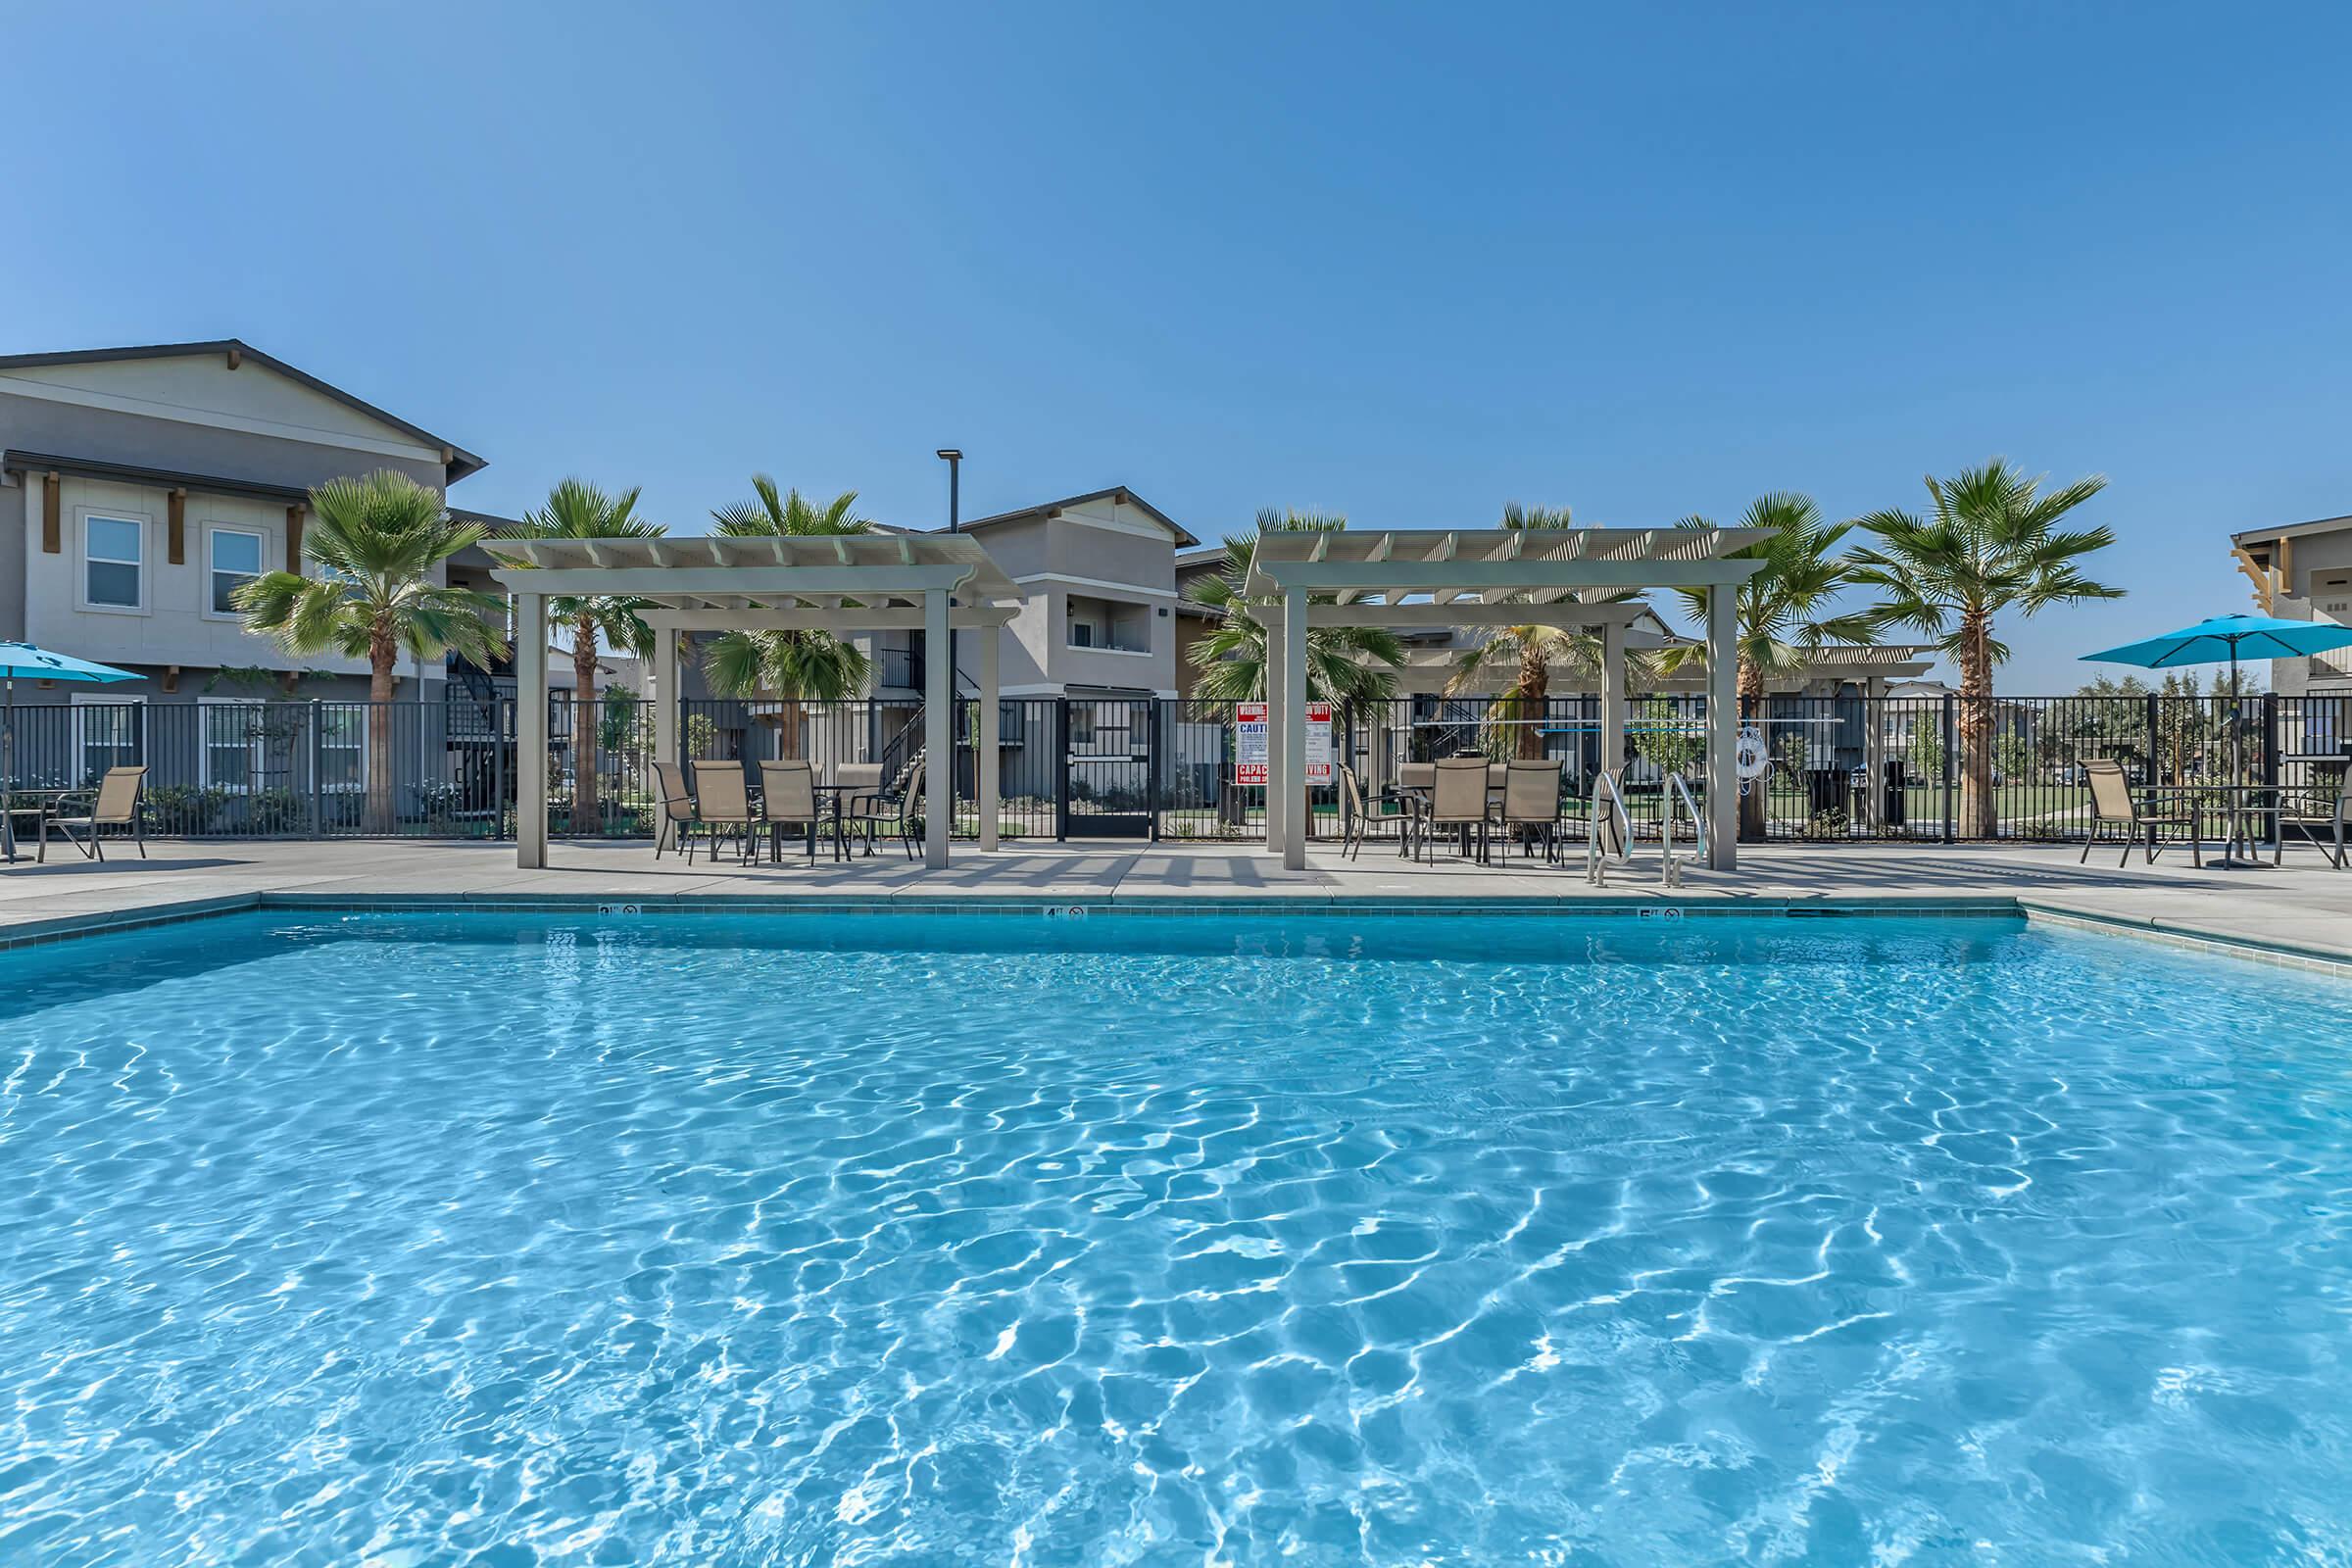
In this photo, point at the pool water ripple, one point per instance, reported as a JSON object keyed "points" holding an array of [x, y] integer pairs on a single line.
{"points": [[516, 1239]]}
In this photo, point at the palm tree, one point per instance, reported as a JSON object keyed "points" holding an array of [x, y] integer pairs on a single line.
{"points": [[1351, 666], [1530, 652], [1781, 614], [797, 666], [1991, 543], [377, 542], [579, 509]]}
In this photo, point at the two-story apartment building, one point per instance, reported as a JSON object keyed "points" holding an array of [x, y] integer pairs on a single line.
{"points": [[2303, 571], [1101, 620], [140, 488]]}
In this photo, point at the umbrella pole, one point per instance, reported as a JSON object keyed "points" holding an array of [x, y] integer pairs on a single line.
{"points": [[8, 772]]}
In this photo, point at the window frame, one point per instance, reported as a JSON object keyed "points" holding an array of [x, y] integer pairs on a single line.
{"points": [[205, 745], [212, 566], [145, 525], [79, 705], [338, 712]]}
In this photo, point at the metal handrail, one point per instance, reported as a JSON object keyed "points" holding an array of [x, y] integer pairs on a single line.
{"points": [[1677, 786], [1595, 859]]}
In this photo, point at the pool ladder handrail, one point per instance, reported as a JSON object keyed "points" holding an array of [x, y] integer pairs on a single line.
{"points": [[1678, 787], [1595, 858]]}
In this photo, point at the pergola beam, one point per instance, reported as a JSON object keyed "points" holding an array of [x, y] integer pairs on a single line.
{"points": [[1556, 613], [1462, 576], [744, 582], [770, 618]]}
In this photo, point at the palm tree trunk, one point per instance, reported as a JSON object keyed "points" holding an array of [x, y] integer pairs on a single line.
{"points": [[585, 812], [1533, 691], [788, 729], [1753, 814], [383, 658], [1980, 813]]}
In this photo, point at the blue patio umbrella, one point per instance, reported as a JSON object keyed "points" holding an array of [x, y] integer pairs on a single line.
{"points": [[2230, 638], [24, 661]]}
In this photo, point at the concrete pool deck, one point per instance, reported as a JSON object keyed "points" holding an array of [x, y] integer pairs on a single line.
{"points": [[2300, 913]]}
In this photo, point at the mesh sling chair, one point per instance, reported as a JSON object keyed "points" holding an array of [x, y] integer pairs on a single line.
{"points": [[861, 794], [1459, 801], [723, 805], [1531, 804], [898, 809], [1368, 819], [116, 805], [2112, 805], [677, 806], [788, 801]]}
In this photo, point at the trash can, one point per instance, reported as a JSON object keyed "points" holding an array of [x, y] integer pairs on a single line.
{"points": [[1830, 793], [1895, 785]]}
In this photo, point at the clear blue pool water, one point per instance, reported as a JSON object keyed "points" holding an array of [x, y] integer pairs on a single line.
{"points": [[507, 1240]]}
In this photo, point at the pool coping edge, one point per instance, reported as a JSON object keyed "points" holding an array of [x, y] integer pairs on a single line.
{"points": [[2333, 961]]}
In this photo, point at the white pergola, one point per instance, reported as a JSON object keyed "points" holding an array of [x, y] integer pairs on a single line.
{"points": [[840, 583], [1494, 577]]}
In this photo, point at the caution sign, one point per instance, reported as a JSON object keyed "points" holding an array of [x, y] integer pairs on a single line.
{"points": [[1250, 736], [1318, 743]]}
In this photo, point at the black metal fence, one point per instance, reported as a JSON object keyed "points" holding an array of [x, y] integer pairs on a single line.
{"points": [[1845, 767]]}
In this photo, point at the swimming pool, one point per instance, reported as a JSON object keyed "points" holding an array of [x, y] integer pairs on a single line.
{"points": [[510, 1238]]}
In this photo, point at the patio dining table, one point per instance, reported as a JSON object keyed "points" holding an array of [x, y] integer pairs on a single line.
{"points": [[37, 804]]}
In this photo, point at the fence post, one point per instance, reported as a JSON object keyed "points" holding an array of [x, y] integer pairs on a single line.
{"points": [[2270, 754], [318, 753], [1151, 751], [1951, 740], [498, 767], [1062, 769], [2154, 718]]}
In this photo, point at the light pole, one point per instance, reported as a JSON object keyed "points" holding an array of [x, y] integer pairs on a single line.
{"points": [[954, 462]]}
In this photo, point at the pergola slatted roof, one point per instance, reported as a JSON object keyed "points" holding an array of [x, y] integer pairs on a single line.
{"points": [[1535, 566], [853, 576]]}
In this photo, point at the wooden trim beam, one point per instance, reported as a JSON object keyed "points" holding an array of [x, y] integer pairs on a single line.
{"points": [[176, 529], [53, 526], [294, 540]]}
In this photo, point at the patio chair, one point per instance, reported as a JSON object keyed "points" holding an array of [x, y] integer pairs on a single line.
{"points": [[1458, 799], [870, 813], [722, 805], [788, 799], [1365, 819], [2112, 805], [120, 796], [677, 806], [2313, 811], [1531, 803]]}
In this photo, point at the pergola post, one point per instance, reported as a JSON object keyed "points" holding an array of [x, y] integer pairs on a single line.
{"points": [[1275, 793], [1612, 697], [530, 731], [1723, 727], [939, 731], [1297, 819], [665, 695], [1874, 748], [991, 758]]}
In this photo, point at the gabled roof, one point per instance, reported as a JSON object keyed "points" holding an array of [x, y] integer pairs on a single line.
{"points": [[2291, 530], [1119, 494], [456, 462]]}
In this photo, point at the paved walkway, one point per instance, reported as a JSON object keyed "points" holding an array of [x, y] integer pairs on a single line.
{"points": [[2304, 908]]}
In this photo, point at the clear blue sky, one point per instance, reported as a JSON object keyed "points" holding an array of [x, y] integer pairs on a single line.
{"points": [[1404, 263]]}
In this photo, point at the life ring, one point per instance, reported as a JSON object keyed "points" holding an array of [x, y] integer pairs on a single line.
{"points": [[1749, 754]]}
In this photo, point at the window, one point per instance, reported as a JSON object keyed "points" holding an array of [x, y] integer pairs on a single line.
{"points": [[343, 745], [108, 732], [232, 742], [113, 550], [236, 561]]}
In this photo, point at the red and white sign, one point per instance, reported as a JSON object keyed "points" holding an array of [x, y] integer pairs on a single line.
{"points": [[1318, 743], [1250, 736]]}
